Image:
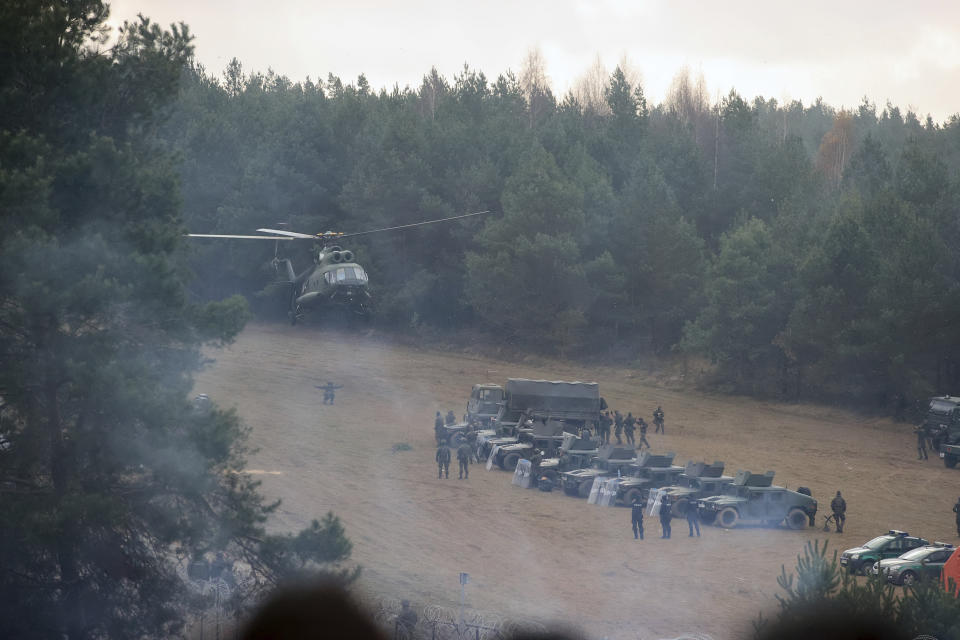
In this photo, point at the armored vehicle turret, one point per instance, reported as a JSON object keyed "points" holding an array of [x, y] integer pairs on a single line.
{"points": [[751, 499]]}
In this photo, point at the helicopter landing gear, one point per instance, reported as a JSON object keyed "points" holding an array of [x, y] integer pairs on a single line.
{"points": [[295, 313]]}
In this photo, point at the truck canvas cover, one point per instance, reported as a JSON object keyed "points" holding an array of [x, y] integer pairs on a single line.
{"points": [[571, 400]]}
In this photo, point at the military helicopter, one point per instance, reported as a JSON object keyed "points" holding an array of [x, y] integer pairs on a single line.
{"points": [[334, 279]]}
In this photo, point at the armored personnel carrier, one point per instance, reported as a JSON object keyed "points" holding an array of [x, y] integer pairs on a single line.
{"points": [[698, 480], [751, 499], [610, 460], [545, 435], [650, 472], [575, 453]]}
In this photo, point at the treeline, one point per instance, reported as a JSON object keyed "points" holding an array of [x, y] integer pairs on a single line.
{"points": [[809, 252]]}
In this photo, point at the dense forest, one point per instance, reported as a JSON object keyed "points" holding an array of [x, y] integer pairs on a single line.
{"points": [[809, 252]]}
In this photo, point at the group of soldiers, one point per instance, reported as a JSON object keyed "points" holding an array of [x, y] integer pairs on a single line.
{"points": [[665, 512], [625, 427], [466, 452]]}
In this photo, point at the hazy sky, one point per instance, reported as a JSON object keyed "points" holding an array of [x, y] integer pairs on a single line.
{"points": [[907, 53]]}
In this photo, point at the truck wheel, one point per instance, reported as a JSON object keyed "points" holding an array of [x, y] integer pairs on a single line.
{"points": [[949, 461], [630, 495], [708, 517], [727, 518], [909, 578], [797, 518], [584, 489], [510, 462], [679, 508]]}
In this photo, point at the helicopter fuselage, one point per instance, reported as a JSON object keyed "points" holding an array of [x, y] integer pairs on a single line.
{"points": [[333, 280], [343, 283]]}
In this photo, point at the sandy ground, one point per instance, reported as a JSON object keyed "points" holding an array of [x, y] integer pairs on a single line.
{"points": [[546, 555]]}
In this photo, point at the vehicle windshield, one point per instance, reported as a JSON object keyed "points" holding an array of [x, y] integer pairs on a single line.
{"points": [[878, 542], [346, 275], [916, 554], [942, 406]]}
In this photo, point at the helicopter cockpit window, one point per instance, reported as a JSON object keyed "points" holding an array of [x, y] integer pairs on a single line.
{"points": [[346, 275]]}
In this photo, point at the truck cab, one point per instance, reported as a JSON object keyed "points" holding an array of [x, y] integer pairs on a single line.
{"points": [[484, 403]]}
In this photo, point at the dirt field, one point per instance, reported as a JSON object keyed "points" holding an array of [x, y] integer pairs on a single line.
{"points": [[546, 555]]}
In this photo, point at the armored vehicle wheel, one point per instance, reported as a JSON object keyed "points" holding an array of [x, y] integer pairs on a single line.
{"points": [[727, 518], [797, 519], [456, 439], [708, 517], [949, 461], [584, 489], [510, 462], [631, 494], [679, 508], [909, 578]]}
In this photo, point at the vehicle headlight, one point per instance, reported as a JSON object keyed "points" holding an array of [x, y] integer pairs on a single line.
{"points": [[855, 556]]}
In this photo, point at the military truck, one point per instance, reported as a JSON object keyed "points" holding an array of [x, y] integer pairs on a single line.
{"points": [[651, 472], [942, 423], [698, 480], [484, 403], [610, 460], [943, 416], [752, 499], [574, 403]]}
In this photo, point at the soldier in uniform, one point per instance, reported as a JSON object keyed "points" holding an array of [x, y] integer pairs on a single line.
{"points": [[328, 391], [463, 458], [618, 426], [472, 441], [921, 432], [693, 518], [665, 515], [450, 419], [956, 510], [839, 507], [443, 461], [636, 518], [643, 433], [438, 430], [406, 621], [629, 425], [658, 420], [605, 423]]}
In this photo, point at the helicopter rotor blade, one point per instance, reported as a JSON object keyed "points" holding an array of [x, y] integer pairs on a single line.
{"points": [[289, 234], [215, 235], [407, 226]]}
